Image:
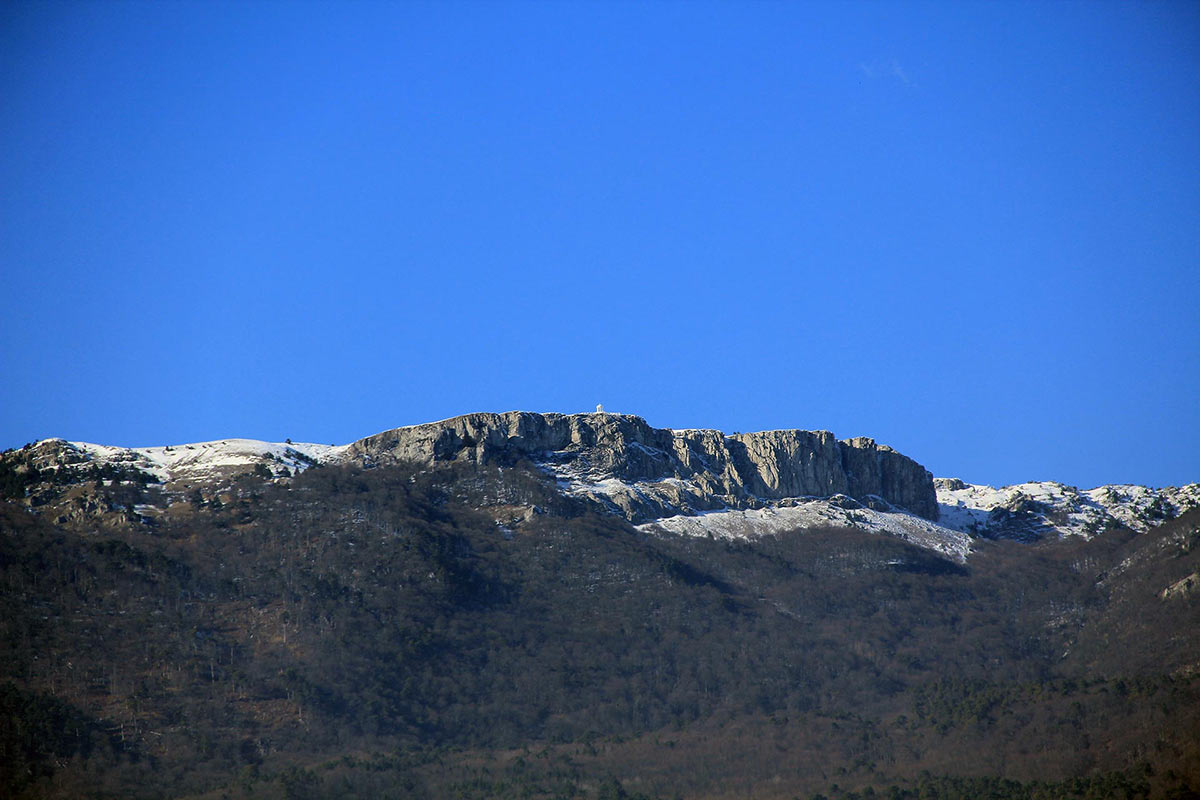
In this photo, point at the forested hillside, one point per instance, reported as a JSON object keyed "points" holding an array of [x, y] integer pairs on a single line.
{"points": [[463, 630]]}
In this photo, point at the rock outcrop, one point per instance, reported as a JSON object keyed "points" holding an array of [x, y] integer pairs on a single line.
{"points": [[1182, 589], [1031, 511], [659, 472]]}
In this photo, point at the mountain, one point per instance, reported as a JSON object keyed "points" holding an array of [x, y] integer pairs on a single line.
{"points": [[695, 482], [546, 605]]}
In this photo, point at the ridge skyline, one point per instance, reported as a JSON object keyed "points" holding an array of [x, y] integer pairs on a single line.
{"points": [[347, 442], [696, 481]]}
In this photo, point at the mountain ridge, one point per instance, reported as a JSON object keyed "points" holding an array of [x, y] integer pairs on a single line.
{"points": [[670, 471], [691, 481], [228, 612]]}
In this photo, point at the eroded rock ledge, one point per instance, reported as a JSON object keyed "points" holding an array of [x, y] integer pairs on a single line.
{"points": [[711, 469]]}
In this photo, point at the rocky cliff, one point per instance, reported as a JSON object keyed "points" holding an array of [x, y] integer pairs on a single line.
{"points": [[690, 482], [647, 472]]}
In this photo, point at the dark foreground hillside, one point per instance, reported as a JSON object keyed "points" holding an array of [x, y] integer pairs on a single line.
{"points": [[466, 631]]}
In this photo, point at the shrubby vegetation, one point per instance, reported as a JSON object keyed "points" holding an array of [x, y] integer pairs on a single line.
{"points": [[466, 631], [14, 482]]}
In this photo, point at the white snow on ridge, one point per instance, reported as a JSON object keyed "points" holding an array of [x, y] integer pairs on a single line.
{"points": [[1132, 505], [967, 509], [1069, 511], [1026, 511], [751, 524], [775, 517], [199, 459]]}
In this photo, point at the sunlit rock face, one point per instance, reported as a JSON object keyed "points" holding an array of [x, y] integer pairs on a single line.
{"points": [[661, 471]]}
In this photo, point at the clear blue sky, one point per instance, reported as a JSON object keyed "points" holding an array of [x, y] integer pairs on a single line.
{"points": [[969, 230]]}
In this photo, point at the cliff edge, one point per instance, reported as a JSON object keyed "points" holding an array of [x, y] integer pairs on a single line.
{"points": [[655, 472]]}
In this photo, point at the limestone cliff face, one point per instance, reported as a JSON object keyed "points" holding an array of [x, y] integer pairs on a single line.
{"points": [[665, 472]]}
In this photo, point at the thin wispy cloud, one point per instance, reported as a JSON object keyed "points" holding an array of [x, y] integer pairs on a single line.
{"points": [[888, 70]]}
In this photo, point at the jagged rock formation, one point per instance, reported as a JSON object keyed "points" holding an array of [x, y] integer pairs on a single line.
{"points": [[648, 473]]}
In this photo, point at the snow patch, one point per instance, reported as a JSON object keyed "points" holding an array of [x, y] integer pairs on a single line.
{"points": [[750, 524], [1060, 508], [199, 460]]}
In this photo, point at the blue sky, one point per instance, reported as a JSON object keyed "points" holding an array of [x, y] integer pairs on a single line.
{"points": [[968, 230]]}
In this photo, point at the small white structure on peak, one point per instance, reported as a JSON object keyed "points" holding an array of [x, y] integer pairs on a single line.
{"points": [[599, 408]]}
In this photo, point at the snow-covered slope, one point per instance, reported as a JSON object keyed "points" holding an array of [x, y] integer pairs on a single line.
{"points": [[816, 513], [195, 462], [1033, 510], [687, 511], [1027, 511]]}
